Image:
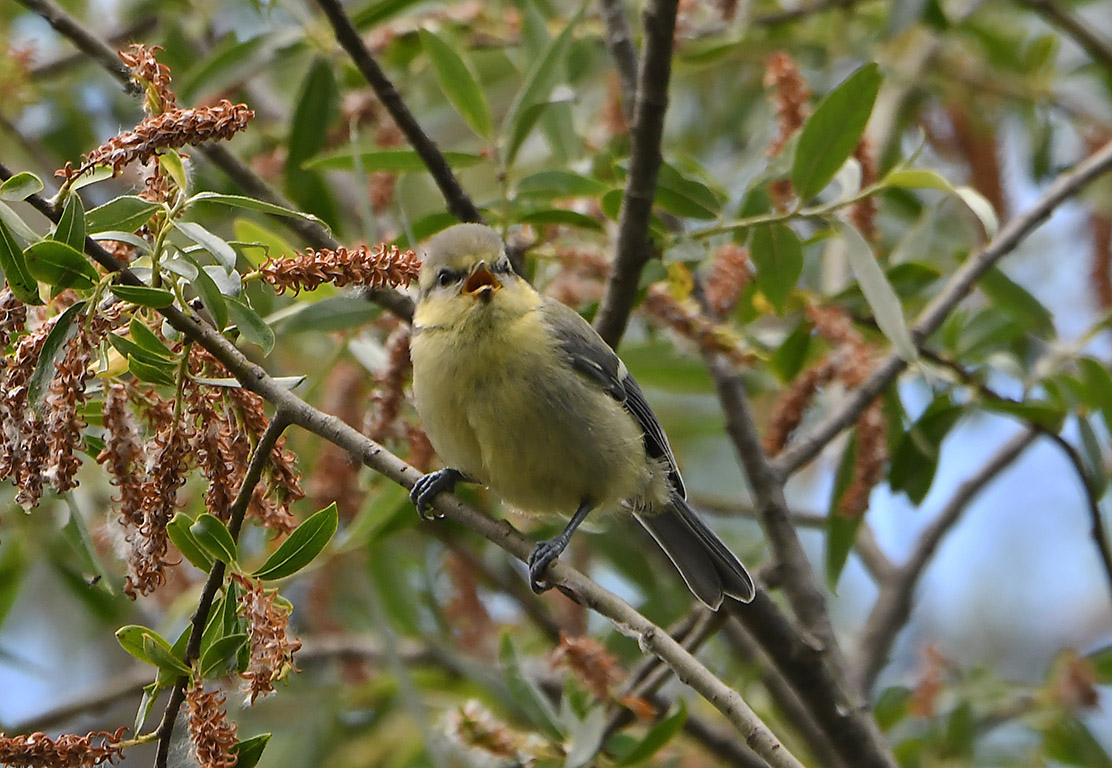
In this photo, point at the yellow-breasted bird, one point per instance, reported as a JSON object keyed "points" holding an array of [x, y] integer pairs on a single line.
{"points": [[519, 393]]}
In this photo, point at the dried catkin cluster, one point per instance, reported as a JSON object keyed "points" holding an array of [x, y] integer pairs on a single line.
{"points": [[213, 736], [389, 393], [729, 274], [272, 650], [593, 666], [148, 74], [686, 320], [476, 728], [37, 750], [170, 130], [378, 267], [850, 363]]}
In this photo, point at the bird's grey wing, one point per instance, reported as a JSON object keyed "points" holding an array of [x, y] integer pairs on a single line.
{"points": [[588, 354]]}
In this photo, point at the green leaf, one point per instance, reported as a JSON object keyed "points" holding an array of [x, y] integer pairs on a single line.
{"points": [[60, 265], [778, 256], [921, 178], [787, 360], [892, 706], [317, 98], [23, 285], [71, 225], [20, 187], [525, 693], [125, 214], [217, 661], [158, 652], [658, 736], [1045, 414], [13, 567], [1098, 384], [538, 84], [153, 374], [251, 326], [186, 542], [562, 217], [304, 544], [18, 226], [228, 64], [211, 298], [144, 295], [224, 254], [213, 537], [458, 83], [51, 353], [393, 160], [1069, 741], [558, 183], [878, 292], [86, 557], [1017, 301], [1101, 659], [685, 196], [250, 750], [250, 203], [530, 116], [146, 338], [171, 164], [130, 638], [832, 132], [841, 530], [332, 314], [1092, 458], [915, 460], [289, 382]]}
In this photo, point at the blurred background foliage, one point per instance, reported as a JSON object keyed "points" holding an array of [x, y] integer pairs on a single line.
{"points": [[422, 645]]}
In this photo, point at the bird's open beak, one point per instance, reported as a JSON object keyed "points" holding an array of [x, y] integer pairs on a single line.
{"points": [[481, 283]]}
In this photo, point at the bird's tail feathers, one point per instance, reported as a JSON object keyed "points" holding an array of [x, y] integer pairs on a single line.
{"points": [[707, 565]]}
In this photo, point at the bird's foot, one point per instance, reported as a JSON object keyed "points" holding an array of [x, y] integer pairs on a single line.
{"points": [[426, 488], [543, 554]]}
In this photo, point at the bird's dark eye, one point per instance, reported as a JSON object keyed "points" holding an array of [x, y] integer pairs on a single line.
{"points": [[446, 276], [502, 267]]}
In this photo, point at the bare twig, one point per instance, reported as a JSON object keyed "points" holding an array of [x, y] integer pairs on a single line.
{"points": [[107, 693], [215, 580], [803, 11], [459, 204], [893, 605], [619, 42], [651, 638], [634, 247], [1067, 184], [1085, 35]]}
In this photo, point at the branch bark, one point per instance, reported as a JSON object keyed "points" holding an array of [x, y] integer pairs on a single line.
{"points": [[619, 42], [634, 247], [1099, 49], [1067, 184]]}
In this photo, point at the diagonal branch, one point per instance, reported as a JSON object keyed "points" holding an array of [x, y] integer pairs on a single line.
{"points": [[634, 247], [1085, 35], [459, 204], [215, 581], [893, 605], [619, 42], [292, 409], [961, 283]]}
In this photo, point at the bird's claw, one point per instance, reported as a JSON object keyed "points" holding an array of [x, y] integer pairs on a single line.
{"points": [[426, 488], [539, 560]]}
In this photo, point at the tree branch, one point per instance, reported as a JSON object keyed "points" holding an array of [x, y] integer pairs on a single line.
{"points": [[634, 247], [459, 204], [1099, 49], [216, 580], [805, 10], [619, 42], [893, 606], [1067, 184]]}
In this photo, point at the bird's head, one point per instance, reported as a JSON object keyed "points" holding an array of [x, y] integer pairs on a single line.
{"points": [[465, 272]]}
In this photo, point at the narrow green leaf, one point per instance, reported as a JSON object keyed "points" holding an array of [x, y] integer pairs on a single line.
{"points": [[213, 536], [130, 638], [289, 382], [1098, 385], [882, 298], [125, 214], [60, 265], [832, 132], [20, 187], [14, 266], [51, 353], [562, 217], [1017, 301], [778, 256], [981, 208], [123, 237], [458, 83], [221, 655], [153, 374], [186, 542], [1045, 414], [892, 706], [251, 204], [71, 226], [393, 160], [146, 704], [228, 64], [211, 298], [787, 360], [1092, 458], [171, 163], [19, 228], [530, 116], [1101, 659], [917, 178], [251, 326], [559, 183], [144, 295], [539, 82], [1070, 741], [525, 693], [306, 542], [249, 751], [686, 196], [158, 652], [146, 338], [657, 737], [224, 254], [915, 460], [841, 530], [13, 567], [317, 96]]}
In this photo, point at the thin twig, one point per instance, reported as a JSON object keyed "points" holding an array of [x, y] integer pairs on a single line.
{"points": [[459, 204], [619, 42], [651, 638], [805, 10], [805, 448], [634, 247], [893, 605], [215, 581], [126, 685], [1082, 33]]}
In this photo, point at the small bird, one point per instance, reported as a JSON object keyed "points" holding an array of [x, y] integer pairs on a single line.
{"points": [[519, 393]]}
